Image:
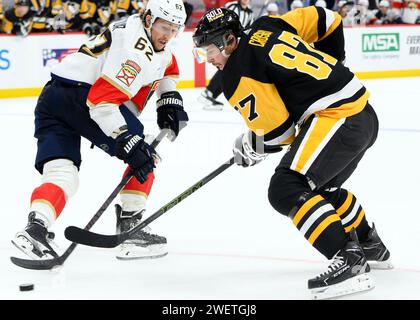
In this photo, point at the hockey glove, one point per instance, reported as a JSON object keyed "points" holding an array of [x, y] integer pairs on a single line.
{"points": [[139, 155], [244, 153], [171, 114]]}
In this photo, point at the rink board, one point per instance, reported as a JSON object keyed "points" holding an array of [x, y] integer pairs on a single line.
{"points": [[373, 52]]}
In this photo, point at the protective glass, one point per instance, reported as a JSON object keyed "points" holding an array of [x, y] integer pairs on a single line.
{"points": [[206, 53], [167, 28]]}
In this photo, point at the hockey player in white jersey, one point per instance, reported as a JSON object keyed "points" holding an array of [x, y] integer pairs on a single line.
{"points": [[98, 93]]}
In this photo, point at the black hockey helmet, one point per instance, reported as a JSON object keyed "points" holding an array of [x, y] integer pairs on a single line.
{"points": [[26, 3], [214, 26]]}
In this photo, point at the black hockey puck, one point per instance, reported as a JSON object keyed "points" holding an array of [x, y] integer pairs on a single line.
{"points": [[26, 287]]}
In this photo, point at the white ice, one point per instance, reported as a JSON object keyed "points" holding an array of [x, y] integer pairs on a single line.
{"points": [[225, 241]]}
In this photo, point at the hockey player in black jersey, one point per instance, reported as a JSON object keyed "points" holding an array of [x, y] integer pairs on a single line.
{"points": [[285, 76]]}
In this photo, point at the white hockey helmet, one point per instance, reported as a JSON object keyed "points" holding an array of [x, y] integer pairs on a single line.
{"points": [[384, 3], [321, 3], [169, 10], [296, 4], [364, 3], [272, 8]]}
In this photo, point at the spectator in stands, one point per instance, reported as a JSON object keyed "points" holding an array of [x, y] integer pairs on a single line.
{"points": [[361, 14], [71, 20], [321, 3], [126, 8], [1, 12], [385, 15], [408, 10], [17, 20], [344, 7], [272, 9], [296, 4]]}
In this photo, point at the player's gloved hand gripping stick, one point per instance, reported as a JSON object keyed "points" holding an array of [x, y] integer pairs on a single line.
{"points": [[51, 263], [86, 237]]}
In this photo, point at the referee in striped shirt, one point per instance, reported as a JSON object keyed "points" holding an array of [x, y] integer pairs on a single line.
{"points": [[214, 89]]}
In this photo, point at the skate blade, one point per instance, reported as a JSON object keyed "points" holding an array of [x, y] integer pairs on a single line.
{"points": [[381, 265], [360, 283], [133, 252], [213, 108], [208, 105], [25, 246]]}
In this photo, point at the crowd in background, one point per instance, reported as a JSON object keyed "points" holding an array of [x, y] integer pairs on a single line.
{"points": [[22, 17]]}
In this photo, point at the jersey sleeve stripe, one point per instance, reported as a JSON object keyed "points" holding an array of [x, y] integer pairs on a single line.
{"points": [[105, 91], [322, 25], [104, 43], [172, 68], [285, 137], [116, 85], [332, 23], [281, 133], [305, 21], [349, 90]]}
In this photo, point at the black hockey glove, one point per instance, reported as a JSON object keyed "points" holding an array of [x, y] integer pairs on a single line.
{"points": [[134, 151], [244, 153], [171, 113]]}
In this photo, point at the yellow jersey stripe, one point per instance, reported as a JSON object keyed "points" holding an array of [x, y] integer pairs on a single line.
{"points": [[305, 208], [356, 223], [333, 26], [347, 109], [346, 205], [318, 135], [305, 21], [322, 226]]}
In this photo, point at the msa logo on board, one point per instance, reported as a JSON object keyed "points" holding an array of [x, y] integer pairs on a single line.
{"points": [[380, 42], [4, 61]]}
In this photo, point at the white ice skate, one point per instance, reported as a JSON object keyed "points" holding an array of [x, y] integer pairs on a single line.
{"points": [[347, 274], [143, 244], [35, 241], [209, 103]]}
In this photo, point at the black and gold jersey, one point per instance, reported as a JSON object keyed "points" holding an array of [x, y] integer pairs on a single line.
{"points": [[287, 68]]}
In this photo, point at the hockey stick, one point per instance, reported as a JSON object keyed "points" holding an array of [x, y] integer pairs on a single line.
{"points": [[83, 236], [51, 263]]}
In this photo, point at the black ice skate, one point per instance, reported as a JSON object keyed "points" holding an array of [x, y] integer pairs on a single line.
{"points": [[143, 244], [375, 251], [347, 274], [35, 241], [210, 103]]}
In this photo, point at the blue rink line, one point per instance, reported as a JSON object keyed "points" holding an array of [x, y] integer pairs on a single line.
{"points": [[400, 130]]}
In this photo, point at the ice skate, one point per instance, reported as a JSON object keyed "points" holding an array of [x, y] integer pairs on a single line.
{"points": [[375, 251], [347, 274], [35, 241], [210, 103], [143, 244]]}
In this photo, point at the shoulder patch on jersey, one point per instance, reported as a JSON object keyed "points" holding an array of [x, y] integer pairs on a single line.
{"points": [[128, 72], [260, 38]]}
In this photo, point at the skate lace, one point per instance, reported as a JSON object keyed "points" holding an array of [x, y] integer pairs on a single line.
{"points": [[336, 264], [147, 231]]}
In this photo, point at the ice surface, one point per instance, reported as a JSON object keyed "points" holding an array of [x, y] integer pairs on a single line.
{"points": [[225, 241]]}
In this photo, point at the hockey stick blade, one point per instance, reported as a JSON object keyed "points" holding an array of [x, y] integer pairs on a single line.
{"points": [[89, 238], [36, 264], [48, 264]]}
